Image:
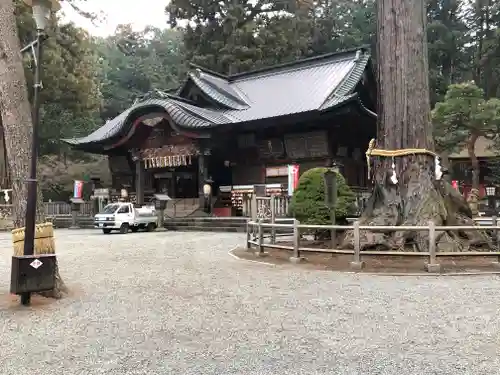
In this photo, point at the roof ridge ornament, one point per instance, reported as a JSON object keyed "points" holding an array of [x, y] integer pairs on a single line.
{"points": [[358, 55]]}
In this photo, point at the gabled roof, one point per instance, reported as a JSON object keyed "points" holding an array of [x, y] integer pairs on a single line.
{"points": [[313, 84]]}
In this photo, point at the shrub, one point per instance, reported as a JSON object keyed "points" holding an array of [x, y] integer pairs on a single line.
{"points": [[308, 201]]}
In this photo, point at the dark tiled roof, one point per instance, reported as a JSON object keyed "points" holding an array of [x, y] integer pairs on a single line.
{"points": [[313, 84], [219, 90], [183, 114]]}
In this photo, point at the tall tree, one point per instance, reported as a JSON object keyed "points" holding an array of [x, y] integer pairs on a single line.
{"points": [[15, 110], [17, 122], [231, 36], [448, 41], [462, 118], [133, 63], [405, 188]]}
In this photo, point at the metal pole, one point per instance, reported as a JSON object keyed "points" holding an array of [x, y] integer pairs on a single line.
{"points": [[333, 232], [29, 233]]}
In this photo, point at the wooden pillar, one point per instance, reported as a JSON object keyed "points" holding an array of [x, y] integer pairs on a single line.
{"points": [[139, 181], [202, 172]]}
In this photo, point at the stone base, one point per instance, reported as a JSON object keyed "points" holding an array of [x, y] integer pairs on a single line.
{"points": [[160, 229], [298, 260], [261, 255], [357, 266], [74, 227], [433, 268]]}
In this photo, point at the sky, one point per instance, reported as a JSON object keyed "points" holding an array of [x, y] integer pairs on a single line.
{"points": [[139, 13]]}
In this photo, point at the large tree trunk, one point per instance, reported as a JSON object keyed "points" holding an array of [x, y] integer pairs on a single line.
{"points": [[16, 118], [404, 122]]}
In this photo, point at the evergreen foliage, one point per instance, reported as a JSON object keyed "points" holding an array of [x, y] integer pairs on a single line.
{"points": [[308, 201]]}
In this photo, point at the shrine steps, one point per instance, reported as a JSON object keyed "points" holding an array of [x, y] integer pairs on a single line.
{"points": [[184, 207]]}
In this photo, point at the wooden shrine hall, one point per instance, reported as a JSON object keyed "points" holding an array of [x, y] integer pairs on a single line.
{"points": [[243, 130]]}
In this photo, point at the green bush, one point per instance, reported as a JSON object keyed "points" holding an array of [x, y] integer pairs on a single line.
{"points": [[308, 201]]}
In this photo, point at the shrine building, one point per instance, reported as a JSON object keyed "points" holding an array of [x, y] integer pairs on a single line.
{"points": [[242, 130]]}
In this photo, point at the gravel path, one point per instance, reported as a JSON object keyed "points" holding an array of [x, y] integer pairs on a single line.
{"points": [[177, 303]]}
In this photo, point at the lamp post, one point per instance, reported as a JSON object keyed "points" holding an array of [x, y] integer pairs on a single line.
{"points": [[490, 193], [331, 193], [41, 14]]}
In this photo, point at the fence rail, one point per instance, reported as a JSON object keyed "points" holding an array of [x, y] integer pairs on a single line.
{"points": [[256, 239], [53, 209]]}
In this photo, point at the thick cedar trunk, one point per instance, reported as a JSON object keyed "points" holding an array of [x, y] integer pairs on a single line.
{"points": [[16, 118], [15, 110], [404, 122]]}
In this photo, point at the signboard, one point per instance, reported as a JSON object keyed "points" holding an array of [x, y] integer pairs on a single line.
{"points": [[454, 183], [293, 178], [101, 193], [78, 189], [276, 171]]}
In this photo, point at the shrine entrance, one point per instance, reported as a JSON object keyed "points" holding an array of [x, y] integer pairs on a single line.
{"points": [[181, 182]]}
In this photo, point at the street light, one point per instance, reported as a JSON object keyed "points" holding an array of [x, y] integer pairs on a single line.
{"points": [[41, 14], [490, 193]]}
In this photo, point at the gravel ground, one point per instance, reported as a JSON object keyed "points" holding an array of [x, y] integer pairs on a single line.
{"points": [[177, 303]]}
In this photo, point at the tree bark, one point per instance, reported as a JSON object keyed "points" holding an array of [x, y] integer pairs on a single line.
{"points": [[16, 119], [404, 122], [15, 110], [4, 168]]}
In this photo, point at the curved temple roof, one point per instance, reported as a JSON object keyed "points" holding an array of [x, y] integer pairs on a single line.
{"points": [[314, 84]]}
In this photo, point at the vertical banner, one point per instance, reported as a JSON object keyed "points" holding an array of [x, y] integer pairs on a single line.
{"points": [[293, 178], [78, 189]]}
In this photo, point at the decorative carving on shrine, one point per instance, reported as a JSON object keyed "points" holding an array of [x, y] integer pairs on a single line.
{"points": [[169, 155], [307, 145], [271, 148]]}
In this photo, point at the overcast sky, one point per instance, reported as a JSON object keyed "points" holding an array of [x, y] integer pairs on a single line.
{"points": [[139, 13]]}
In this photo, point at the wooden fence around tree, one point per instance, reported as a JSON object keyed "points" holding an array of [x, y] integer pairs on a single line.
{"points": [[262, 234]]}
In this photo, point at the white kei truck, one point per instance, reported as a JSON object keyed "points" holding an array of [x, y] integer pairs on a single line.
{"points": [[124, 216]]}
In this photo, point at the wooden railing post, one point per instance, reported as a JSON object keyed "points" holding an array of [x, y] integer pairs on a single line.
{"points": [[433, 266], [260, 242], [249, 246], [494, 222], [496, 241], [253, 207], [357, 264], [273, 219], [296, 258]]}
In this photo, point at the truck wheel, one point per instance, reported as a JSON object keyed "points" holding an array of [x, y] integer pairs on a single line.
{"points": [[134, 229], [151, 227], [106, 231], [124, 228]]}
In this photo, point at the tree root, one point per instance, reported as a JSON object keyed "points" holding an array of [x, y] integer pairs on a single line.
{"points": [[416, 202]]}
